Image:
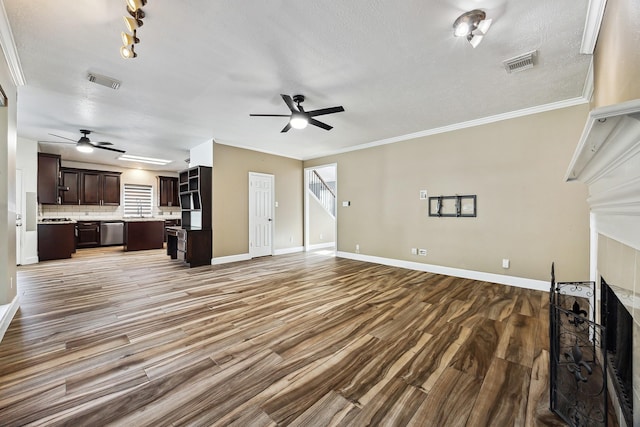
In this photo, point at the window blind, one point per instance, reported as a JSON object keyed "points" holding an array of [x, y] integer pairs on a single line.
{"points": [[138, 200]]}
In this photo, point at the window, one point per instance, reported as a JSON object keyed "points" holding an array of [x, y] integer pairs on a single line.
{"points": [[138, 200]]}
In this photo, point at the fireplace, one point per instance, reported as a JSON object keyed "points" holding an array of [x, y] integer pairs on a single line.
{"points": [[618, 347]]}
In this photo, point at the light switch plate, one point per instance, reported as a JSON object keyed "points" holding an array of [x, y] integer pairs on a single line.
{"points": [[423, 194]]}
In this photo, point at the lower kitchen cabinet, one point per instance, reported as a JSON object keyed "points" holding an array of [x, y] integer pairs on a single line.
{"points": [[56, 241], [191, 246], [143, 235]]}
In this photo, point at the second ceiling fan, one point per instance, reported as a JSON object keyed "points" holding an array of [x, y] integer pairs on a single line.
{"points": [[84, 144], [299, 118]]}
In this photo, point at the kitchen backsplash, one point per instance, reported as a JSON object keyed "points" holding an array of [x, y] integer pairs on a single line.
{"points": [[97, 212]]}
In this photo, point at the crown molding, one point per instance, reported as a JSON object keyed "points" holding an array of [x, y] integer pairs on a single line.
{"points": [[462, 125], [587, 90], [9, 48], [595, 13]]}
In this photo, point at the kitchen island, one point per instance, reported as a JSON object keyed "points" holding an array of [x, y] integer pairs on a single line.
{"points": [[143, 233]]}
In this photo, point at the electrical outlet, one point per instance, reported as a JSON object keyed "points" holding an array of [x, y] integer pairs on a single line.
{"points": [[414, 251], [346, 203], [357, 248], [422, 252], [505, 263]]}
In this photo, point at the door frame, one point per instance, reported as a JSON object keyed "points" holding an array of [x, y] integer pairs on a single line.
{"points": [[273, 211], [306, 237]]}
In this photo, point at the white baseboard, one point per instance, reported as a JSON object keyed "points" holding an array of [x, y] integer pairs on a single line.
{"points": [[30, 260], [520, 282], [6, 315], [321, 246], [285, 251], [230, 258]]}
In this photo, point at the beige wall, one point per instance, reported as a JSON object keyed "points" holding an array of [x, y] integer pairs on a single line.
{"points": [[617, 55], [231, 167], [321, 224], [8, 138], [526, 212]]}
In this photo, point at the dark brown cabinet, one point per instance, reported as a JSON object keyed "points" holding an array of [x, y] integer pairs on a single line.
{"points": [[55, 241], [168, 191], [191, 243], [48, 178], [89, 187], [143, 235], [88, 234]]}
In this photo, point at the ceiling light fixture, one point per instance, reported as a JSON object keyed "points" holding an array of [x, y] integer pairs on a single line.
{"points": [[473, 25], [132, 23], [298, 121], [84, 146], [149, 160]]}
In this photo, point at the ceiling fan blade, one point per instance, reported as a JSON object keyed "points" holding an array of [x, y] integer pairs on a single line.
{"points": [[102, 143], [287, 100], [286, 128], [319, 124], [58, 142], [324, 111], [63, 137], [108, 148], [269, 115]]}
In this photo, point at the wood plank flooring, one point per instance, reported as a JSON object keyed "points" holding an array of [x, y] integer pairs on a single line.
{"points": [[135, 339]]}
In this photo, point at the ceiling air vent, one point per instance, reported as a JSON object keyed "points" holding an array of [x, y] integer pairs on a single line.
{"points": [[103, 80], [520, 62]]}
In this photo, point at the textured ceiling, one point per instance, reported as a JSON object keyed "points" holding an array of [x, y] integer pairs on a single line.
{"points": [[204, 66]]}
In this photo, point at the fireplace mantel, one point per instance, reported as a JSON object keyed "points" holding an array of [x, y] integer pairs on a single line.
{"points": [[607, 159]]}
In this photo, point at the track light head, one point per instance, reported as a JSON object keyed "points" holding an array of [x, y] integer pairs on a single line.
{"points": [[132, 23], [136, 4], [128, 52], [128, 39]]}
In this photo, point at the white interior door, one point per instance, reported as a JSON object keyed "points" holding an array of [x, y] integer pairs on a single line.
{"points": [[19, 216], [260, 214]]}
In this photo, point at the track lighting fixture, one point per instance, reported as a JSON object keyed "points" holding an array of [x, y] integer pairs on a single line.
{"points": [[473, 25], [132, 23]]}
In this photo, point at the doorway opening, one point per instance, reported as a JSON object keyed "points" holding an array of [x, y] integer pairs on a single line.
{"points": [[321, 208]]}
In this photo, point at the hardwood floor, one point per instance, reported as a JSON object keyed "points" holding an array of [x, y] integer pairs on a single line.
{"points": [[136, 339]]}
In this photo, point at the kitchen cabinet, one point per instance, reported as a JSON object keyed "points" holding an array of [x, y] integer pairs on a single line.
{"points": [[193, 247], [55, 241], [48, 178], [143, 235], [168, 191], [90, 187], [88, 234]]}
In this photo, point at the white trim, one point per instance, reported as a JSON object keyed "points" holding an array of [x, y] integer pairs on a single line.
{"points": [[8, 312], [463, 125], [520, 282], [595, 12], [587, 90], [593, 248], [230, 258], [9, 48], [292, 250], [31, 260], [321, 246]]}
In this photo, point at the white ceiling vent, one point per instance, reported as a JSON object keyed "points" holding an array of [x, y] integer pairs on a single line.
{"points": [[103, 80], [520, 62]]}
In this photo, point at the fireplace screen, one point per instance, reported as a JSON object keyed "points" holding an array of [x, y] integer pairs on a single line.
{"points": [[578, 379]]}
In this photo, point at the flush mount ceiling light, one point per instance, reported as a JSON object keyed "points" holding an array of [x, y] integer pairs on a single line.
{"points": [[473, 25], [140, 159]]}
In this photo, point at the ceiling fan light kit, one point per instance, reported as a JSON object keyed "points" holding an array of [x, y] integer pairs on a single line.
{"points": [[472, 25], [133, 22], [299, 118]]}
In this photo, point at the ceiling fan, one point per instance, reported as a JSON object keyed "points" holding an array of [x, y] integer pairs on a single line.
{"points": [[299, 118], [84, 144]]}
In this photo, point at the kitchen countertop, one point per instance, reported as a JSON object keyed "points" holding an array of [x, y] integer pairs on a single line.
{"points": [[93, 219]]}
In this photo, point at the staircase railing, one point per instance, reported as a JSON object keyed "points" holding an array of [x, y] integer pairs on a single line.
{"points": [[323, 192]]}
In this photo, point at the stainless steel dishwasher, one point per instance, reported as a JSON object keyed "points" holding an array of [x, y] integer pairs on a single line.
{"points": [[111, 233]]}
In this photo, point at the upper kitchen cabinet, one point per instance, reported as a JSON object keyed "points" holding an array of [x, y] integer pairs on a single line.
{"points": [[48, 178], [168, 191], [90, 187]]}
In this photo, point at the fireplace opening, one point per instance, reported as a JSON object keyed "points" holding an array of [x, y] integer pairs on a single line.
{"points": [[618, 344]]}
